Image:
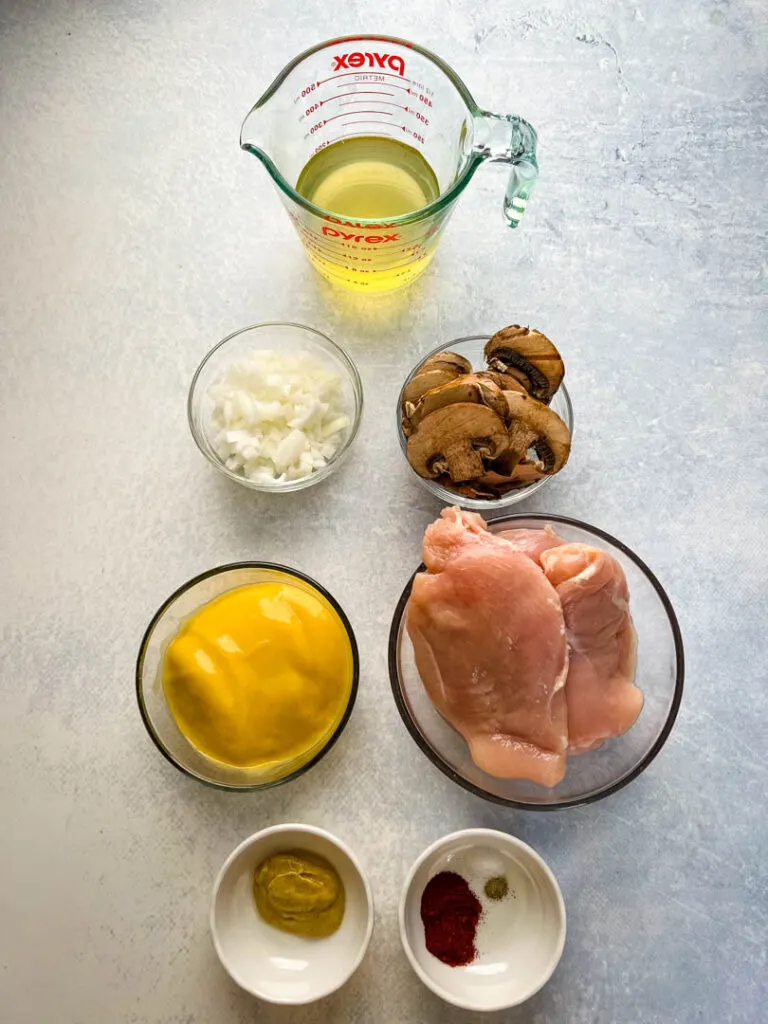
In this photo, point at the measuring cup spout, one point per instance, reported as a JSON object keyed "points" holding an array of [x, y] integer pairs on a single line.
{"points": [[254, 132], [505, 138]]}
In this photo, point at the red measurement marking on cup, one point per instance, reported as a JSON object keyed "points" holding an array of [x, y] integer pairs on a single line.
{"points": [[354, 135], [416, 135], [384, 113], [418, 115], [323, 123], [389, 85], [360, 92], [383, 103], [367, 120], [334, 254], [330, 247]]}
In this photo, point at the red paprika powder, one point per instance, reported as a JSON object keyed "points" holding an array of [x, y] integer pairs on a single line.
{"points": [[450, 912]]}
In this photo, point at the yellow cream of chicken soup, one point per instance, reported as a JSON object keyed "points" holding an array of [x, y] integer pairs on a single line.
{"points": [[261, 675]]}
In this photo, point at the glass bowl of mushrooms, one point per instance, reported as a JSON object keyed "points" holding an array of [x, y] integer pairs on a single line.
{"points": [[485, 421]]}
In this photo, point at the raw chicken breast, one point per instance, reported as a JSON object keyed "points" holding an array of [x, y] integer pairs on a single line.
{"points": [[532, 542], [602, 699], [489, 640]]}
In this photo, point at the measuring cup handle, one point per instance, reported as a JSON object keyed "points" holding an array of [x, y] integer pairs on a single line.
{"points": [[505, 138]]}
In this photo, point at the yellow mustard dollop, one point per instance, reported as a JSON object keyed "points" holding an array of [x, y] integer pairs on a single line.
{"points": [[260, 675], [299, 892]]}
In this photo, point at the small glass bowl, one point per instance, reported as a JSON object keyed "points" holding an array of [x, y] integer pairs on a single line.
{"points": [[285, 337], [472, 348], [156, 714], [592, 775]]}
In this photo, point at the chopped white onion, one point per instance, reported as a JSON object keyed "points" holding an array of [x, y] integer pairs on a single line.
{"points": [[277, 416]]}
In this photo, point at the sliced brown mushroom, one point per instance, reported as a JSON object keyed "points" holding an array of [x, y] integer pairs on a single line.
{"points": [[450, 361], [455, 440], [507, 464], [510, 472], [528, 471], [439, 369], [492, 485], [534, 425], [525, 473], [472, 489], [468, 388], [502, 380], [419, 385], [528, 356]]}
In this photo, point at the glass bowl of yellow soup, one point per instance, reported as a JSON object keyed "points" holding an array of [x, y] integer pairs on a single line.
{"points": [[247, 675]]}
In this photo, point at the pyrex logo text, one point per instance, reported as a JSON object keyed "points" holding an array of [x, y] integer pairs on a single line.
{"points": [[352, 237], [374, 60]]}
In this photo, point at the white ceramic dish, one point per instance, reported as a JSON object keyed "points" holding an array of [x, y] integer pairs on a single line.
{"points": [[269, 963], [519, 940]]}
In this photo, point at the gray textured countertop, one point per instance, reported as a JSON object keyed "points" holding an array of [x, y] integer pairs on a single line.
{"points": [[134, 234]]}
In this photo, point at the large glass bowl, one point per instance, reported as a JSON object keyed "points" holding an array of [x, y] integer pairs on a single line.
{"points": [[589, 776], [286, 338], [472, 348], [156, 714]]}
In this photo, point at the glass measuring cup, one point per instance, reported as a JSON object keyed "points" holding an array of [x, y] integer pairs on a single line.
{"points": [[390, 88]]}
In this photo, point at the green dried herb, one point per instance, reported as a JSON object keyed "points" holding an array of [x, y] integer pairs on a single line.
{"points": [[496, 888]]}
